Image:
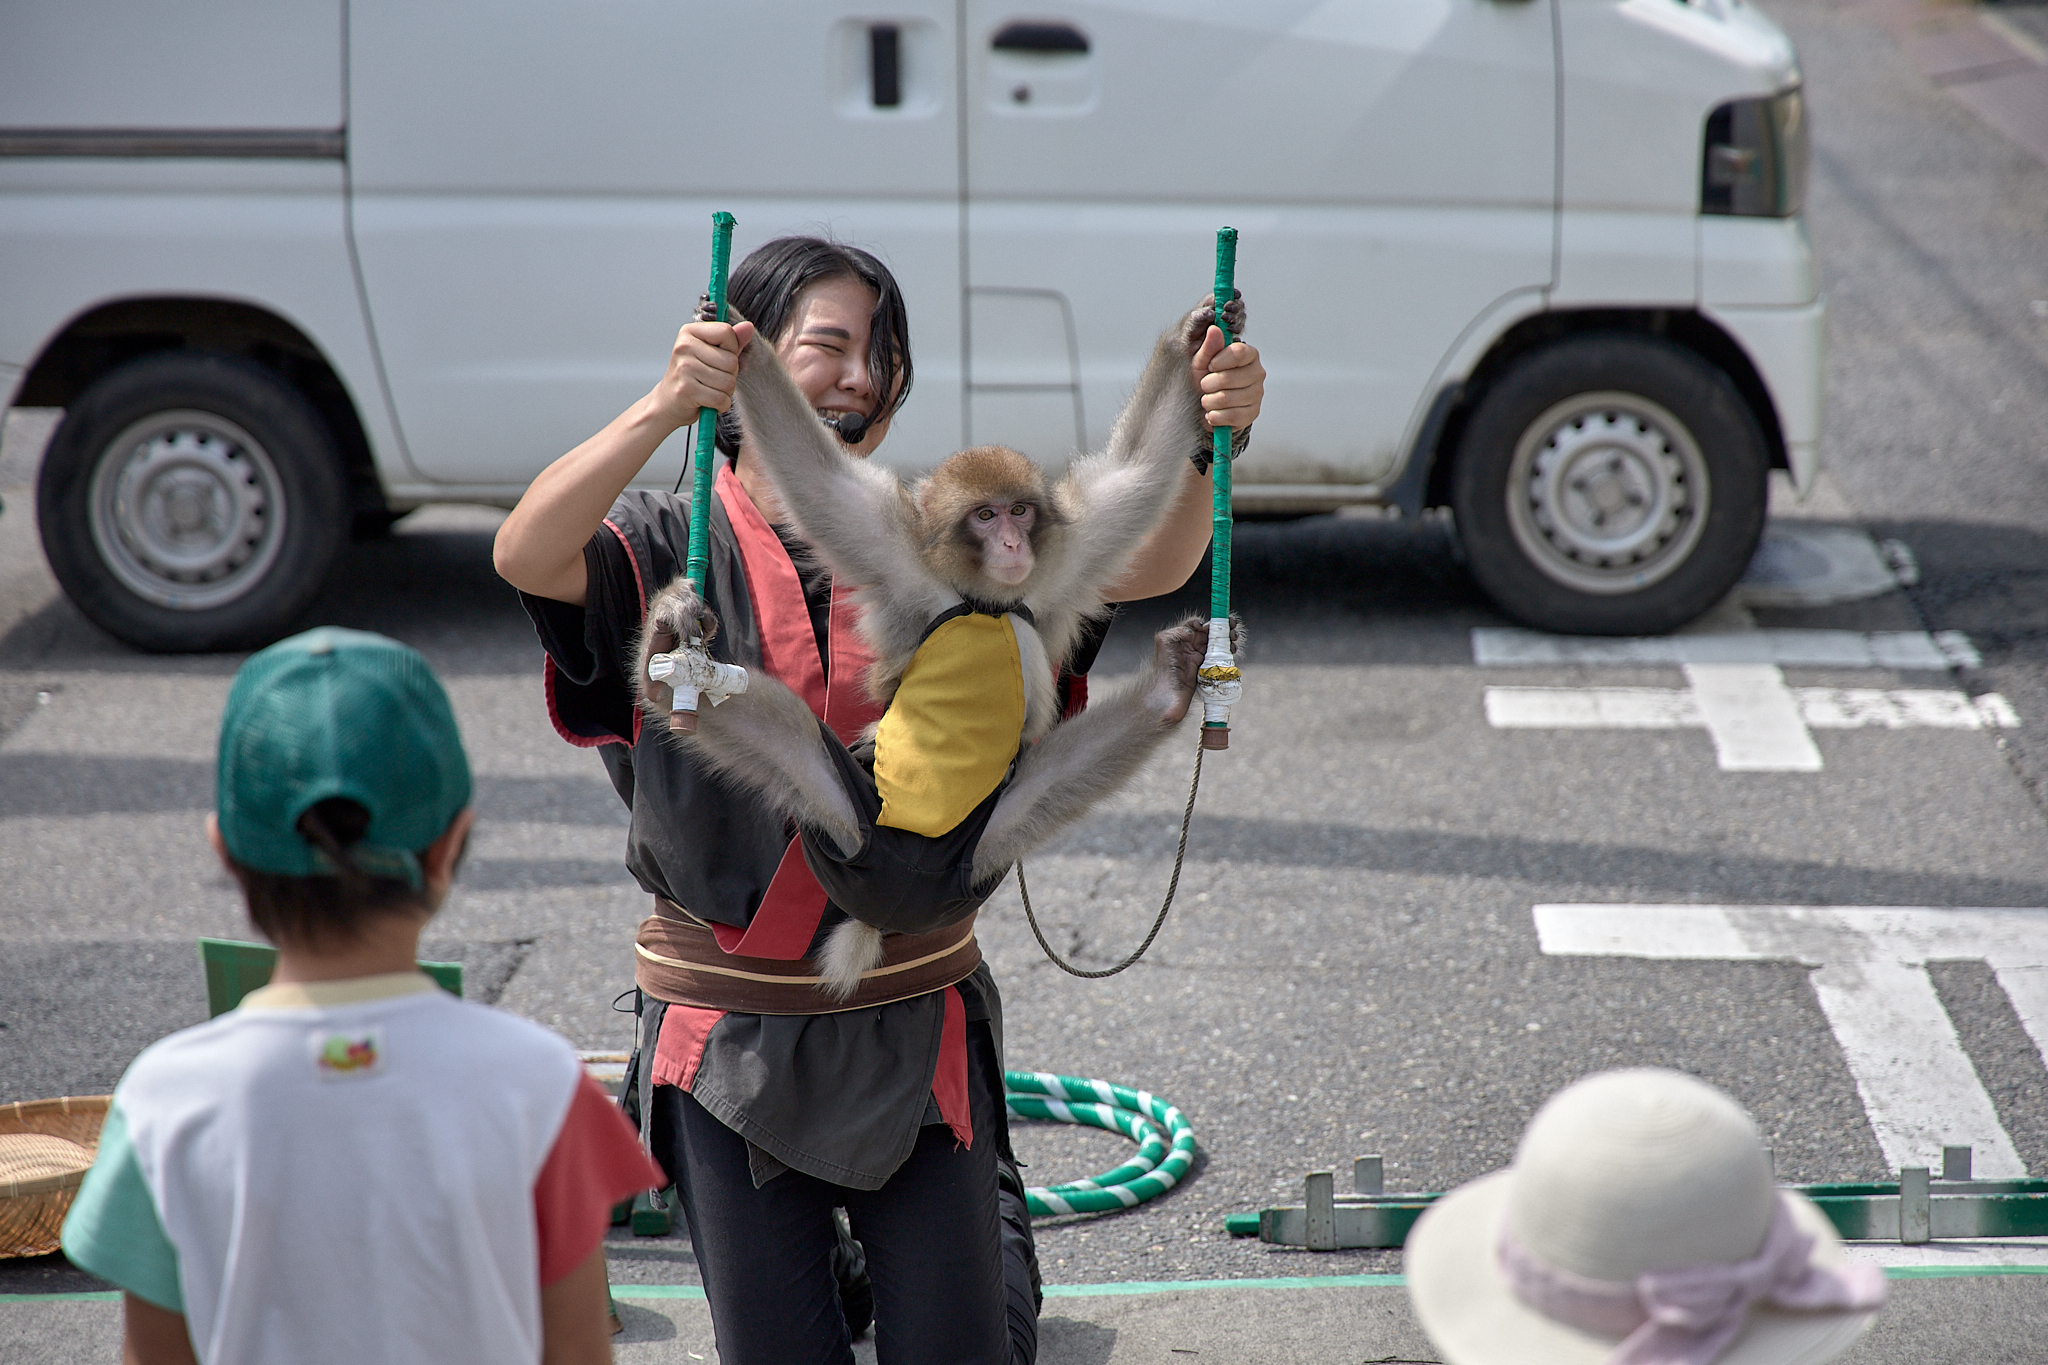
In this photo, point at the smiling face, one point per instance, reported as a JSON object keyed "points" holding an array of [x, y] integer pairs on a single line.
{"points": [[825, 349], [1003, 530]]}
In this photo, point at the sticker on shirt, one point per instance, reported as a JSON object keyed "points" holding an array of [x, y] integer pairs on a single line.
{"points": [[345, 1056]]}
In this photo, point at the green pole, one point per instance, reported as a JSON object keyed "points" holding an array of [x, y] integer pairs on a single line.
{"points": [[1219, 466], [707, 420], [1220, 681]]}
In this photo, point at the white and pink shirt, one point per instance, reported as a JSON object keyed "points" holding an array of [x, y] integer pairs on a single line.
{"points": [[355, 1171]]}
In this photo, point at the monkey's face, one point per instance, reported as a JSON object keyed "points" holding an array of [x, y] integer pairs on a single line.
{"points": [[1003, 530]]}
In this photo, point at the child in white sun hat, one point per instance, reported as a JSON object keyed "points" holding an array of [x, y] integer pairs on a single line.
{"points": [[1639, 1225]]}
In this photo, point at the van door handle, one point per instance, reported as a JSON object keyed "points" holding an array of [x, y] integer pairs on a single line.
{"points": [[1028, 36], [885, 66]]}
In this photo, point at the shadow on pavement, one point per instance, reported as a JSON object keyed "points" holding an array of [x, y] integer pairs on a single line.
{"points": [[1619, 870], [1299, 584]]}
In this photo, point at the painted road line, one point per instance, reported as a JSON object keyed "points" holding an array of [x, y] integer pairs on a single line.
{"points": [[1910, 1068], [1737, 691], [1592, 708], [1822, 708], [1918, 1086], [1903, 708], [1930, 1260], [2026, 986], [1507, 647], [1753, 719]]}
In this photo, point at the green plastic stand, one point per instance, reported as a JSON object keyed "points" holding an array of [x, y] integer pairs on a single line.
{"points": [[649, 1219], [234, 968]]}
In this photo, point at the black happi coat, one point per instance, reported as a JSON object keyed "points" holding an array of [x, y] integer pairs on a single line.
{"points": [[840, 1096]]}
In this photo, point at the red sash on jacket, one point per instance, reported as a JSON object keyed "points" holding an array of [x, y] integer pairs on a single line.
{"points": [[787, 919]]}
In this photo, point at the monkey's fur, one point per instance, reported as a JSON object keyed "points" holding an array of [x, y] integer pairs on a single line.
{"points": [[917, 558]]}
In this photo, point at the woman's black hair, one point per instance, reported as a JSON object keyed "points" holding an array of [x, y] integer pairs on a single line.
{"points": [[764, 287]]}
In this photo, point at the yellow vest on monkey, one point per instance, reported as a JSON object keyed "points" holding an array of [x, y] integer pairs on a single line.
{"points": [[953, 727]]}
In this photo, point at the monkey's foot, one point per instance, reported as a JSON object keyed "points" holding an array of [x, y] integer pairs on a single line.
{"points": [[678, 616], [691, 675]]}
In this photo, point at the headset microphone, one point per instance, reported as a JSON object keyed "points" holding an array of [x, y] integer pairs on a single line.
{"points": [[851, 426]]}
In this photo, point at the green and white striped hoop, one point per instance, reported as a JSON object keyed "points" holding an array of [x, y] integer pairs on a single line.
{"points": [[1166, 1141]]}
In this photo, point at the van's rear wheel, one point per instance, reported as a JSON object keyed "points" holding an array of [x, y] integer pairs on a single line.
{"points": [[1609, 485], [192, 502]]}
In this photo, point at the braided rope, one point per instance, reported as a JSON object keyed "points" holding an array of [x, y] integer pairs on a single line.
{"points": [[1166, 1141], [1180, 852]]}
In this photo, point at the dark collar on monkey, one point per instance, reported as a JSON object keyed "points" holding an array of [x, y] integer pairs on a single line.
{"points": [[970, 607]]}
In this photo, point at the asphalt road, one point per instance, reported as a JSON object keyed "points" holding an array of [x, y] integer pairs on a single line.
{"points": [[1354, 964]]}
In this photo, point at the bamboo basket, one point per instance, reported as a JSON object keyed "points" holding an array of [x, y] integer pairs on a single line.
{"points": [[37, 1179]]}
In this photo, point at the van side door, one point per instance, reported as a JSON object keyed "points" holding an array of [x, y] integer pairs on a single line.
{"points": [[1391, 165], [533, 184]]}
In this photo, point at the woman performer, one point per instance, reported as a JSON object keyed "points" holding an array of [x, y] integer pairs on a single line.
{"points": [[767, 1114]]}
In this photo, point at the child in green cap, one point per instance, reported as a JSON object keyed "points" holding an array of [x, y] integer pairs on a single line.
{"points": [[353, 1165]]}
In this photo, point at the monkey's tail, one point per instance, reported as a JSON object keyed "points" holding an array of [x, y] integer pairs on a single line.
{"points": [[851, 949]]}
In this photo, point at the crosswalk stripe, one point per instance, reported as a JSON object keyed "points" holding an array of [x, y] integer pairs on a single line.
{"points": [[1919, 1088], [1507, 647], [1822, 708]]}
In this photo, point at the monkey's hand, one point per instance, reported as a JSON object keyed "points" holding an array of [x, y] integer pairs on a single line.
{"points": [[1230, 378], [734, 319], [1176, 660], [1194, 328], [733, 316]]}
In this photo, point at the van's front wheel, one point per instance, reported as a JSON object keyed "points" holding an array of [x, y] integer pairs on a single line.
{"points": [[191, 502], [1609, 485]]}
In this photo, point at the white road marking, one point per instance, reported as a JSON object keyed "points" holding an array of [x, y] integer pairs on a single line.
{"points": [[1737, 692], [1591, 708], [1505, 647], [1918, 1086], [1666, 708], [2027, 987], [1851, 708], [1753, 719]]}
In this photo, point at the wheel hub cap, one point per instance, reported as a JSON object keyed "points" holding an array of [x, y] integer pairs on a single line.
{"points": [[1603, 487], [1607, 493], [186, 510]]}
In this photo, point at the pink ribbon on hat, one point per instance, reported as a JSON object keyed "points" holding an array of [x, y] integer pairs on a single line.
{"points": [[1690, 1315]]}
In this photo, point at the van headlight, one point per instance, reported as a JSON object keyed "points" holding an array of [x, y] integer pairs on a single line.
{"points": [[1755, 161]]}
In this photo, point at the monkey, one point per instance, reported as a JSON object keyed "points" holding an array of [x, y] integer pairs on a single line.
{"points": [[996, 569]]}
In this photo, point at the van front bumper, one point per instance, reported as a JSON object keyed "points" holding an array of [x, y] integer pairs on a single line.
{"points": [[1788, 346]]}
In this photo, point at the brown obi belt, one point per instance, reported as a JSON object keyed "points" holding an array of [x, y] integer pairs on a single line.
{"points": [[678, 960]]}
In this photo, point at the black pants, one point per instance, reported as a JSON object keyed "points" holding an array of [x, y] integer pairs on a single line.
{"points": [[950, 1270]]}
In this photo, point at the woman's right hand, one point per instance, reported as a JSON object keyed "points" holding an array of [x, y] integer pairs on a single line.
{"points": [[703, 370], [539, 548]]}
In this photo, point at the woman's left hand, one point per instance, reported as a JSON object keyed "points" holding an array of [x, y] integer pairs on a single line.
{"points": [[1232, 381]]}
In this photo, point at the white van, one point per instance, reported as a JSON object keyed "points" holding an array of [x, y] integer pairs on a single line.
{"points": [[293, 266]]}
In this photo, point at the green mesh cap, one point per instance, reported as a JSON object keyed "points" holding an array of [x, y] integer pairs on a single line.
{"points": [[337, 713]]}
